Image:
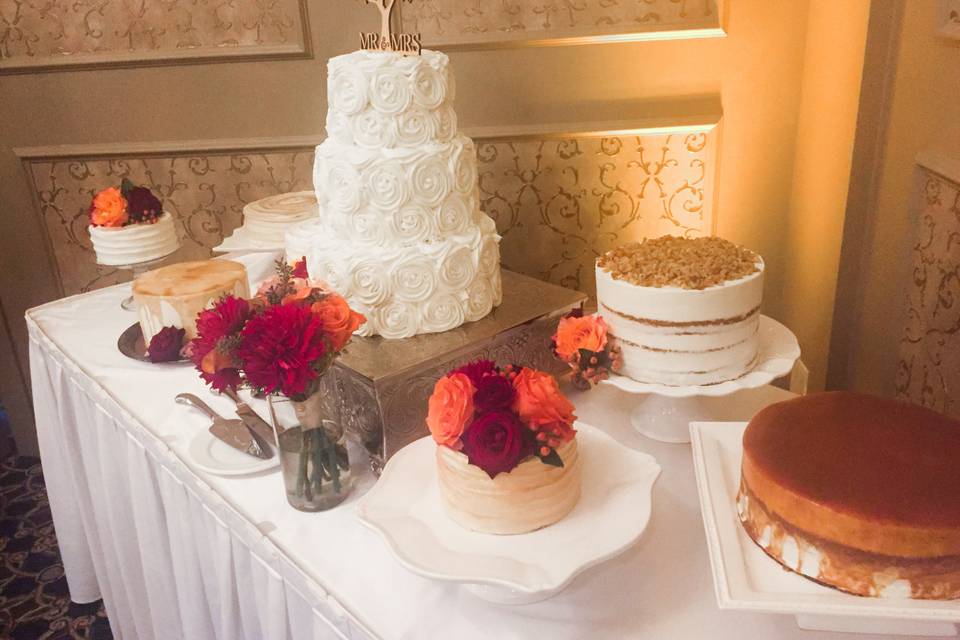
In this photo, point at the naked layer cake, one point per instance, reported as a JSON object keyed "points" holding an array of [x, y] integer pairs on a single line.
{"points": [[684, 311], [857, 493]]}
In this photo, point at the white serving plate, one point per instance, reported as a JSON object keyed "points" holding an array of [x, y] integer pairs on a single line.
{"points": [[217, 457], [745, 578], [404, 509], [665, 412]]}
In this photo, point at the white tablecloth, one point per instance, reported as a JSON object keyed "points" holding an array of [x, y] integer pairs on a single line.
{"points": [[178, 553]]}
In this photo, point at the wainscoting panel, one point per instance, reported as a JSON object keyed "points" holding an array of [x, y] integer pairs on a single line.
{"points": [[928, 371], [486, 23], [53, 34], [559, 200]]}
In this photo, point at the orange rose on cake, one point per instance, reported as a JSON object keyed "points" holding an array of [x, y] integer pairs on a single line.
{"points": [[450, 408], [109, 209], [582, 342]]}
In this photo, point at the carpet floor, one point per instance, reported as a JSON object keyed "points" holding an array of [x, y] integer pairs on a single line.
{"points": [[34, 601]]}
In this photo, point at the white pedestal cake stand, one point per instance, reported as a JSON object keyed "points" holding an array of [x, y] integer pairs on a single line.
{"points": [[665, 412]]}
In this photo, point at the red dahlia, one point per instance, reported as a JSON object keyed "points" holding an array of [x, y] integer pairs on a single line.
{"points": [[212, 351]]}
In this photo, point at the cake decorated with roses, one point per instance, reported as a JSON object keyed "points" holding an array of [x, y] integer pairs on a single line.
{"points": [[128, 226], [507, 455], [683, 311], [400, 235]]}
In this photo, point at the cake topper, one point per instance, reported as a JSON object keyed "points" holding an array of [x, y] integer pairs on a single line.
{"points": [[386, 40]]}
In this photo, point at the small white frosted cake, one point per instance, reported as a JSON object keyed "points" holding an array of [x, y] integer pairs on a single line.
{"points": [[532, 496], [683, 311], [266, 221], [172, 296], [134, 243], [298, 239]]}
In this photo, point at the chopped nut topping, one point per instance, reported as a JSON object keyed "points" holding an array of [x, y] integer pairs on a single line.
{"points": [[690, 263]]}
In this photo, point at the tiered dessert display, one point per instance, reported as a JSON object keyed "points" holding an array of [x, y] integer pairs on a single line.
{"points": [[507, 458], [130, 230], [401, 234], [685, 316], [266, 221], [857, 493]]}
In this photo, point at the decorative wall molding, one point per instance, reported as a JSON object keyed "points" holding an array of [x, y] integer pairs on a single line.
{"points": [[560, 196], [928, 371], [55, 35], [477, 24]]}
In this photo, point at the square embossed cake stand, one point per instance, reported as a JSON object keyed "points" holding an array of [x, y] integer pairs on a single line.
{"points": [[382, 386]]}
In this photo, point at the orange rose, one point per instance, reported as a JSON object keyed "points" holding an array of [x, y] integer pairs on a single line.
{"points": [[450, 409], [109, 209], [540, 404], [215, 361], [339, 320], [573, 334], [299, 293]]}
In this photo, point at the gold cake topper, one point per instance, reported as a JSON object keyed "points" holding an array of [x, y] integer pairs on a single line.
{"points": [[387, 40]]}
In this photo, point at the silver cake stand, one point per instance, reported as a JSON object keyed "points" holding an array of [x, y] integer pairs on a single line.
{"points": [[140, 268], [665, 412]]}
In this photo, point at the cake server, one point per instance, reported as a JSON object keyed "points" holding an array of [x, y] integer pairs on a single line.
{"points": [[233, 432], [250, 417]]}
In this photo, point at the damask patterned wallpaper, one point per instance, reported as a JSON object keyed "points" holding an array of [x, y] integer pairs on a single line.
{"points": [[928, 371], [452, 22], [59, 32], [558, 203]]}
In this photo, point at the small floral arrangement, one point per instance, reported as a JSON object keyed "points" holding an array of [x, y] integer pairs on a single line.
{"points": [[500, 417], [582, 342], [124, 205], [282, 341], [167, 345]]}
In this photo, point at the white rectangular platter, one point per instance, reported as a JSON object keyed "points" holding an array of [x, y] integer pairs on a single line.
{"points": [[746, 578]]}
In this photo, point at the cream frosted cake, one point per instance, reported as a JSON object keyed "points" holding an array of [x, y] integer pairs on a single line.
{"points": [[401, 233], [267, 220], [507, 455], [128, 226], [683, 311], [172, 296]]}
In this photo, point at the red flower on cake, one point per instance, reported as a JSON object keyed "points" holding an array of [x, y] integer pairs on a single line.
{"points": [[339, 320], [109, 209], [542, 407], [166, 344], [494, 442], [574, 334], [283, 349], [213, 351], [142, 205], [494, 392], [450, 408], [475, 371]]}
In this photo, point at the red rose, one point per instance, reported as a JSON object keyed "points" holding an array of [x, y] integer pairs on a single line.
{"points": [[494, 392], [283, 349], [165, 345], [477, 370], [142, 205], [494, 442]]}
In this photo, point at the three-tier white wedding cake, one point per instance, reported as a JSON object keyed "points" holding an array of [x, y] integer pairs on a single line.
{"points": [[401, 234]]}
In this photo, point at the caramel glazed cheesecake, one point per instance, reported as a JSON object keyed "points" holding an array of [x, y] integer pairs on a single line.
{"points": [[855, 492], [684, 311]]}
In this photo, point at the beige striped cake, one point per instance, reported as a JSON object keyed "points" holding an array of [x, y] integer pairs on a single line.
{"points": [[684, 311]]}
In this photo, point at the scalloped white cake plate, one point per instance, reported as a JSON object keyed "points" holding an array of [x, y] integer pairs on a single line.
{"points": [[404, 509], [240, 240], [746, 579], [665, 412]]}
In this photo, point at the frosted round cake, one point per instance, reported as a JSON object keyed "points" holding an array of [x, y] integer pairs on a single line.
{"points": [[532, 496], [267, 220], [299, 238], [134, 243], [683, 311], [856, 492], [401, 234], [172, 296]]}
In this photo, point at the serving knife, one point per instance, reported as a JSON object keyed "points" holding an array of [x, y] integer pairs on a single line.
{"points": [[250, 417], [233, 432]]}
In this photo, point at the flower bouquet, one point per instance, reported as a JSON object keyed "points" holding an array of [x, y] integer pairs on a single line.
{"points": [[507, 457], [582, 342], [281, 344]]}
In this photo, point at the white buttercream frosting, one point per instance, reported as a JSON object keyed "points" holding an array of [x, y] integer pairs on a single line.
{"points": [[266, 220], [135, 243]]}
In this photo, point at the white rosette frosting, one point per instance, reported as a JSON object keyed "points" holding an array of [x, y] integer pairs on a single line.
{"points": [[445, 125], [413, 279], [455, 215], [366, 226], [415, 127], [340, 193], [457, 268], [479, 299], [429, 180], [335, 275], [465, 168], [347, 90], [386, 185], [368, 282], [442, 313], [397, 319], [374, 130], [489, 261], [412, 223], [390, 90], [429, 87]]}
